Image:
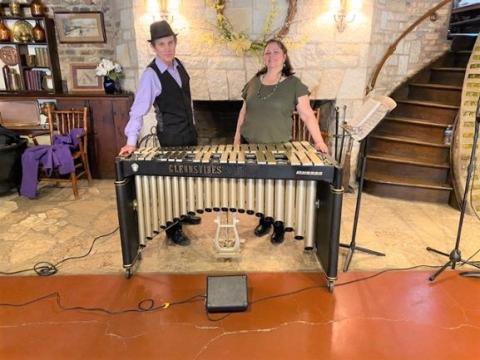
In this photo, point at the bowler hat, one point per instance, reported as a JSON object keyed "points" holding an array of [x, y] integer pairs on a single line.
{"points": [[160, 29]]}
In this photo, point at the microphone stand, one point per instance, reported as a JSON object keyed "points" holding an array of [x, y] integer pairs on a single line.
{"points": [[455, 255], [337, 113], [353, 245]]}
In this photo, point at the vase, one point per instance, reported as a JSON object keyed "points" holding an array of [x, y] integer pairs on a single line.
{"points": [[38, 33], [4, 32], [15, 8], [36, 8], [109, 85]]}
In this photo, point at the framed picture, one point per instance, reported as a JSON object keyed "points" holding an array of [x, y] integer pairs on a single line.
{"points": [[80, 27], [84, 79]]}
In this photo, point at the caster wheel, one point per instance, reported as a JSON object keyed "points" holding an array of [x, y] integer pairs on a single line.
{"points": [[128, 273], [330, 286], [139, 256]]}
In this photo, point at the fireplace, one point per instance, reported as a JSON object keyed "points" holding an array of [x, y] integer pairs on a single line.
{"points": [[216, 121]]}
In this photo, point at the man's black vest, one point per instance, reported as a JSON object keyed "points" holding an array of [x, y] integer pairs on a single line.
{"points": [[173, 108]]}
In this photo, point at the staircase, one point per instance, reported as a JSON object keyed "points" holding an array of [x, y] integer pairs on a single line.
{"points": [[407, 157]]}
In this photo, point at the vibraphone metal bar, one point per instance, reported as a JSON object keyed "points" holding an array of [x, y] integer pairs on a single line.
{"points": [[288, 182]]}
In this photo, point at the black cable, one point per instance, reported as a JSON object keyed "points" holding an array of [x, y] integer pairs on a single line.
{"points": [[385, 271], [145, 305], [148, 305], [322, 286], [45, 268]]}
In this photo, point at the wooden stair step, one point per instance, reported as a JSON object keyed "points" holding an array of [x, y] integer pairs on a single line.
{"points": [[450, 69], [466, 8], [425, 110], [407, 140], [390, 180], [415, 121], [408, 161], [475, 20], [407, 147], [453, 75], [455, 59], [437, 86], [471, 35], [435, 92], [382, 167], [428, 104], [408, 193], [415, 132]]}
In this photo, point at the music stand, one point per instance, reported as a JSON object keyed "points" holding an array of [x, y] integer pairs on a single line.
{"points": [[369, 116], [455, 255]]}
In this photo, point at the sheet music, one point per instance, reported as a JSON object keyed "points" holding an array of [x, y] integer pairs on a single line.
{"points": [[369, 115]]}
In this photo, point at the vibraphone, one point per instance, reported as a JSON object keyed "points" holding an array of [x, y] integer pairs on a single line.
{"points": [[290, 182]]}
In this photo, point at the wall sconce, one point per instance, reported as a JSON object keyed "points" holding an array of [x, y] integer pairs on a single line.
{"points": [[344, 12], [165, 14], [163, 9]]}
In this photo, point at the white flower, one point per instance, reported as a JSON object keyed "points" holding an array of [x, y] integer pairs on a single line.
{"points": [[100, 70], [108, 64], [108, 68]]}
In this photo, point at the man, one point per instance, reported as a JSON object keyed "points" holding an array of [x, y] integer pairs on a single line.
{"points": [[165, 85]]}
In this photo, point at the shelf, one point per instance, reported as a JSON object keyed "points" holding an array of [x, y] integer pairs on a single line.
{"points": [[36, 67], [23, 43], [27, 92], [45, 50], [33, 18], [7, 4]]}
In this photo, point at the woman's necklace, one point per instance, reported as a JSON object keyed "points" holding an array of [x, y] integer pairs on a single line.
{"points": [[273, 90]]}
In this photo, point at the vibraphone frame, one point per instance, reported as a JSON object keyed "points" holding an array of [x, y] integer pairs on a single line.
{"points": [[329, 195]]}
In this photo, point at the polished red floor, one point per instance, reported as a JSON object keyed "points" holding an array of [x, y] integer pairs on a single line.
{"points": [[393, 316]]}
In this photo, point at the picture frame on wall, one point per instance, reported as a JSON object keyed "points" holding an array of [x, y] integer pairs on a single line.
{"points": [[80, 27], [83, 78]]}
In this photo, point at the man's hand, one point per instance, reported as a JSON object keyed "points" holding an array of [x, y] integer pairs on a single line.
{"points": [[127, 150], [321, 146]]}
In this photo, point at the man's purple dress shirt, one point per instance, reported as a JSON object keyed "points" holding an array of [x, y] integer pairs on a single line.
{"points": [[150, 87]]}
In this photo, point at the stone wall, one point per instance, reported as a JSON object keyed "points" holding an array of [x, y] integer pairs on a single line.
{"points": [[332, 64], [423, 45]]}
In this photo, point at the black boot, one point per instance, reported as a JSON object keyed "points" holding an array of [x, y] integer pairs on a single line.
{"points": [[263, 226], [191, 219], [278, 233], [175, 234]]}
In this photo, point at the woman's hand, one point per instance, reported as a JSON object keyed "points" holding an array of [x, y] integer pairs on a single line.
{"points": [[237, 139], [321, 146], [127, 150]]}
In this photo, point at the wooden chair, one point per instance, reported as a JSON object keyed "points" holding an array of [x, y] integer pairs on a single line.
{"points": [[300, 131], [61, 122]]}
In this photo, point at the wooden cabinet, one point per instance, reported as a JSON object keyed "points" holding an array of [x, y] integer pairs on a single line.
{"points": [[108, 115]]}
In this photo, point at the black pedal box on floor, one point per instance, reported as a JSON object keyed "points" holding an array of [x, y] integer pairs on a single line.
{"points": [[227, 293]]}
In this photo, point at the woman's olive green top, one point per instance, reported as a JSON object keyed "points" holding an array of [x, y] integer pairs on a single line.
{"points": [[269, 110]]}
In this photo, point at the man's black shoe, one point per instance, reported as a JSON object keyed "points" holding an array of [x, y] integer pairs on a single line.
{"points": [[278, 233], [191, 219], [176, 235], [263, 227], [180, 238]]}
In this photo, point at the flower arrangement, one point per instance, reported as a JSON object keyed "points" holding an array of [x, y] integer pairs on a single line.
{"points": [[109, 69], [240, 42]]}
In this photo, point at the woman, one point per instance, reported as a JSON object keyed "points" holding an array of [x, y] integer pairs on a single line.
{"points": [[266, 115]]}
